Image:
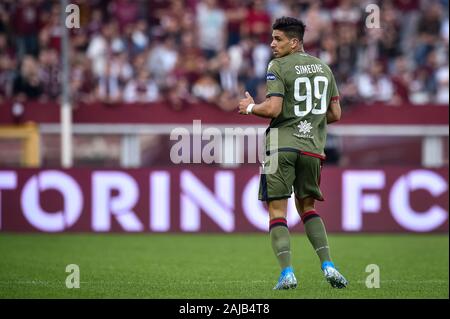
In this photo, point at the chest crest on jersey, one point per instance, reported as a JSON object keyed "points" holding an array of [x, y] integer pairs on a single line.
{"points": [[304, 129]]}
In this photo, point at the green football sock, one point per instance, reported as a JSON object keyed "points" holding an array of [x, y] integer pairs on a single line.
{"points": [[317, 235], [281, 242]]}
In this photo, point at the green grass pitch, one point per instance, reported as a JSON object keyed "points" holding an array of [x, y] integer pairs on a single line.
{"points": [[209, 266]]}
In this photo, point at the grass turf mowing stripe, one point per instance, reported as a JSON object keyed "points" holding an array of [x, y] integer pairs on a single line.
{"points": [[216, 266]]}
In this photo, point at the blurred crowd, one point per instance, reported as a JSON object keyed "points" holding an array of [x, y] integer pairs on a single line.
{"points": [[186, 51]]}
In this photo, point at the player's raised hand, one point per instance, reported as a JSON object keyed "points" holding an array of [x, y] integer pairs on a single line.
{"points": [[245, 102]]}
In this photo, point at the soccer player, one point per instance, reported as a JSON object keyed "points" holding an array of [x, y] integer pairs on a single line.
{"points": [[302, 98]]}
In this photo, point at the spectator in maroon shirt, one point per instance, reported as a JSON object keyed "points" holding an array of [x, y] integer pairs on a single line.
{"points": [[95, 23], [236, 14], [125, 11], [191, 62], [318, 23], [25, 19], [50, 30], [401, 79], [82, 81], [258, 22], [406, 5]]}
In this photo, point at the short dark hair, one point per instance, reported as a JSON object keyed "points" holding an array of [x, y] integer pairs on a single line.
{"points": [[292, 27]]}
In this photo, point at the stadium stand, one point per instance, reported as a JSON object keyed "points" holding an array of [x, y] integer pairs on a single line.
{"points": [[156, 60], [185, 51]]}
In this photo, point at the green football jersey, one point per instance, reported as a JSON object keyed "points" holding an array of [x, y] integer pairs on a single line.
{"points": [[307, 86]]}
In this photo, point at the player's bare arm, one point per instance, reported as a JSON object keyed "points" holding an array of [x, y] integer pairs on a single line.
{"points": [[334, 112], [270, 108]]}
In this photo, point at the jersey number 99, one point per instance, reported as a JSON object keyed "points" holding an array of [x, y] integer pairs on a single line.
{"points": [[318, 109]]}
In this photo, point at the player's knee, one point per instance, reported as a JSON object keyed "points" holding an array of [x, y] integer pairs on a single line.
{"points": [[307, 209], [305, 205], [278, 208], [301, 211], [277, 214]]}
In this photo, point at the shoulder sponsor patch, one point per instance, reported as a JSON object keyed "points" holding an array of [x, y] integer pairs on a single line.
{"points": [[270, 77]]}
